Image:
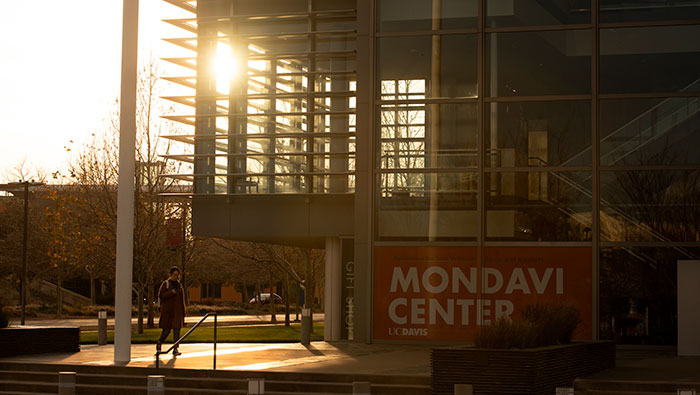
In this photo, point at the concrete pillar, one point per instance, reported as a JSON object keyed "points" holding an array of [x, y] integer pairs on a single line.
{"points": [[256, 386], [333, 290], [66, 383], [101, 328], [306, 322], [125, 194], [361, 388], [364, 176], [688, 308], [156, 384]]}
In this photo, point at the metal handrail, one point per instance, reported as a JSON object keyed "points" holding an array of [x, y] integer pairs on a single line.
{"points": [[177, 343]]}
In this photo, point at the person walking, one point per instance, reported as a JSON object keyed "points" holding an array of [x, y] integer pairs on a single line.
{"points": [[172, 308]]}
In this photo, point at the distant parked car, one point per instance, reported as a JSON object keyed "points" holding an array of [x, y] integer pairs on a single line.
{"points": [[265, 299]]}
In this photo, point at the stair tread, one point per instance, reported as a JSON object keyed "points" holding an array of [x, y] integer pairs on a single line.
{"points": [[652, 382], [603, 392], [110, 380]]}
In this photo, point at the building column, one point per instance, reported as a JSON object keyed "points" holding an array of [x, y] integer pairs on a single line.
{"points": [[125, 194], [364, 174], [333, 290]]}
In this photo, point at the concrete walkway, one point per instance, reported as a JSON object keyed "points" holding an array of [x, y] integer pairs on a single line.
{"points": [[651, 364], [634, 364], [319, 357]]}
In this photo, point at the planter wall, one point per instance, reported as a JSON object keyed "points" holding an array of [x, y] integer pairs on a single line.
{"points": [[38, 340], [528, 371]]}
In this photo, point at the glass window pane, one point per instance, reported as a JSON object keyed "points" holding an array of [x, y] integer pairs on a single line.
{"points": [[417, 15], [650, 131], [528, 13], [650, 59], [538, 63], [646, 10], [250, 7], [552, 133], [412, 68], [421, 136], [334, 5], [650, 205], [427, 206], [638, 294], [538, 206]]}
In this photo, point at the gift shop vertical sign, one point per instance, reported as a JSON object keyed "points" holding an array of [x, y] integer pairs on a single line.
{"points": [[442, 294]]}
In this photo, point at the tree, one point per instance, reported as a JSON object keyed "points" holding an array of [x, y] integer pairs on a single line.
{"points": [[67, 244], [96, 169], [279, 262], [11, 237]]}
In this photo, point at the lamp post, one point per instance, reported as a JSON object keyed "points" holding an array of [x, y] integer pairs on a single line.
{"points": [[14, 188]]}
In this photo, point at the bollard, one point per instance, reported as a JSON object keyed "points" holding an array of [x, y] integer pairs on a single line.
{"points": [[156, 384], [682, 391], [361, 388], [464, 389], [564, 390], [66, 383], [306, 326], [101, 328], [256, 386]]}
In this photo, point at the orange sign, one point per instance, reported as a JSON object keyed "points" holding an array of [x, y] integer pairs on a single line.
{"points": [[441, 293]]}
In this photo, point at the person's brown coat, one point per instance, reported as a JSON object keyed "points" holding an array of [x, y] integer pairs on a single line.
{"points": [[172, 305]]}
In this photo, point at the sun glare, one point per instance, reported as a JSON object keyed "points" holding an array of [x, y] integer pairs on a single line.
{"points": [[225, 67]]}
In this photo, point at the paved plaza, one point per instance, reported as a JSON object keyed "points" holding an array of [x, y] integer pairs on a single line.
{"points": [[318, 357]]}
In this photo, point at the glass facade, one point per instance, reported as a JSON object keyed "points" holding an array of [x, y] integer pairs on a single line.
{"points": [[551, 125], [499, 128]]}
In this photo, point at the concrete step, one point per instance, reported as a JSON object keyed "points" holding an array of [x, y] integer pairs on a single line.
{"points": [[623, 393], [109, 380], [28, 386], [629, 387], [229, 374]]}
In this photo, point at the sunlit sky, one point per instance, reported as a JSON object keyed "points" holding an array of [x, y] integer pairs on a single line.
{"points": [[60, 70]]}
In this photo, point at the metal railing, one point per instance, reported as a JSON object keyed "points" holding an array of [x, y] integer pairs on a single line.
{"points": [[177, 343]]}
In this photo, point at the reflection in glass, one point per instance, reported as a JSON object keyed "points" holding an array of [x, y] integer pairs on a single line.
{"points": [[538, 206], [650, 59], [427, 206], [650, 131], [645, 10], [638, 293], [438, 66], [531, 13], [417, 15], [538, 63], [248, 7], [650, 205], [420, 136], [551, 133]]}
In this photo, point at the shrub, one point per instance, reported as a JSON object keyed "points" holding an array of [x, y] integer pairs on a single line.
{"points": [[557, 321], [540, 324], [199, 309], [505, 333]]}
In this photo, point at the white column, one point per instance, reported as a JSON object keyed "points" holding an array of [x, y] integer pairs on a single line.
{"points": [[125, 196], [688, 308], [333, 290]]}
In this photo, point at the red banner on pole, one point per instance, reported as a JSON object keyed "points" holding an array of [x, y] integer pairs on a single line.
{"points": [[174, 233]]}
